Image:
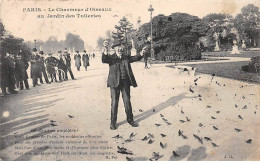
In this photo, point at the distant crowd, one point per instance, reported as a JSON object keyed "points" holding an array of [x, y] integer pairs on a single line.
{"points": [[53, 68]]}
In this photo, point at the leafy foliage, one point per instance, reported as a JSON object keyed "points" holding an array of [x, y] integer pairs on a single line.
{"points": [[175, 35], [253, 66]]}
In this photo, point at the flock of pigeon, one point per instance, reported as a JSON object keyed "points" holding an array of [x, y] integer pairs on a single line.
{"points": [[150, 137]]}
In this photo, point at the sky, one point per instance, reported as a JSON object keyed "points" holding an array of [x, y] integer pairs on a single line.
{"points": [[21, 21]]}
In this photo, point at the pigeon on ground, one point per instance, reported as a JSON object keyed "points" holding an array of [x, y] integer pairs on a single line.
{"points": [[128, 140], [199, 95], [151, 135], [168, 123], [236, 105], [188, 120], [200, 124], [163, 135], [198, 138], [140, 110], [129, 159], [150, 141], [217, 112], [215, 145], [240, 117], [71, 116], [156, 156], [215, 128], [164, 119], [174, 154], [182, 121], [117, 136], [123, 151], [52, 121], [52, 124], [145, 138], [191, 90], [182, 112], [249, 141], [163, 145], [245, 107], [238, 130], [213, 117], [208, 106], [153, 110], [161, 115], [207, 138], [157, 125]]}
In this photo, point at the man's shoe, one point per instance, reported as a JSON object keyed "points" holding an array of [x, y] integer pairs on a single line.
{"points": [[133, 124], [27, 88], [113, 127], [74, 79]]}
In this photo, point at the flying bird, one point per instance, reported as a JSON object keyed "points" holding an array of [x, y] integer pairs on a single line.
{"points": [[207, 138], [198, 138], [132, 135], [151, 135]]}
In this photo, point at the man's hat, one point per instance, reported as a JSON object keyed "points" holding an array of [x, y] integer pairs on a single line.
{"points": [[117, 43], [85, 51], [77, 51], [34, 50], [41, 52], [65, 50], [49, 53]]}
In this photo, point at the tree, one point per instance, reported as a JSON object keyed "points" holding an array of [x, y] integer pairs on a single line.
{"points": [[174, 35], [248, 24], [100, 42], [124, 30]]}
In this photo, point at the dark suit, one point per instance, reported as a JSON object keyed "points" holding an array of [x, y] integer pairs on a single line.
{"points": [[21, 67], [68, 64], [117, 82]]}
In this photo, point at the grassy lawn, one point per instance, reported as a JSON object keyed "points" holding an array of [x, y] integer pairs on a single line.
{"points": [[246, 54], [229, 70]]}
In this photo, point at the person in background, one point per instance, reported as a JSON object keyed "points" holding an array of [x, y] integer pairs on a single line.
{"points": [[51, 62], [77, 59], [21, 66], [85, 59], [8, 74], [35, 67], [68, 64], [43, 68], [62, 67]]}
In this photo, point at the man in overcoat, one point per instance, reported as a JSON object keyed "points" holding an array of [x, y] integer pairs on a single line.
{"points": [[120, 79], [43, 68], [21, 66], [51, 63], [85, 59], [68, 64], [77, 59], [35, 67]]}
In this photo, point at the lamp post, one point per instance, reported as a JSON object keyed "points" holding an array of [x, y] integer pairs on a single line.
{"points": [[152, 50]]}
